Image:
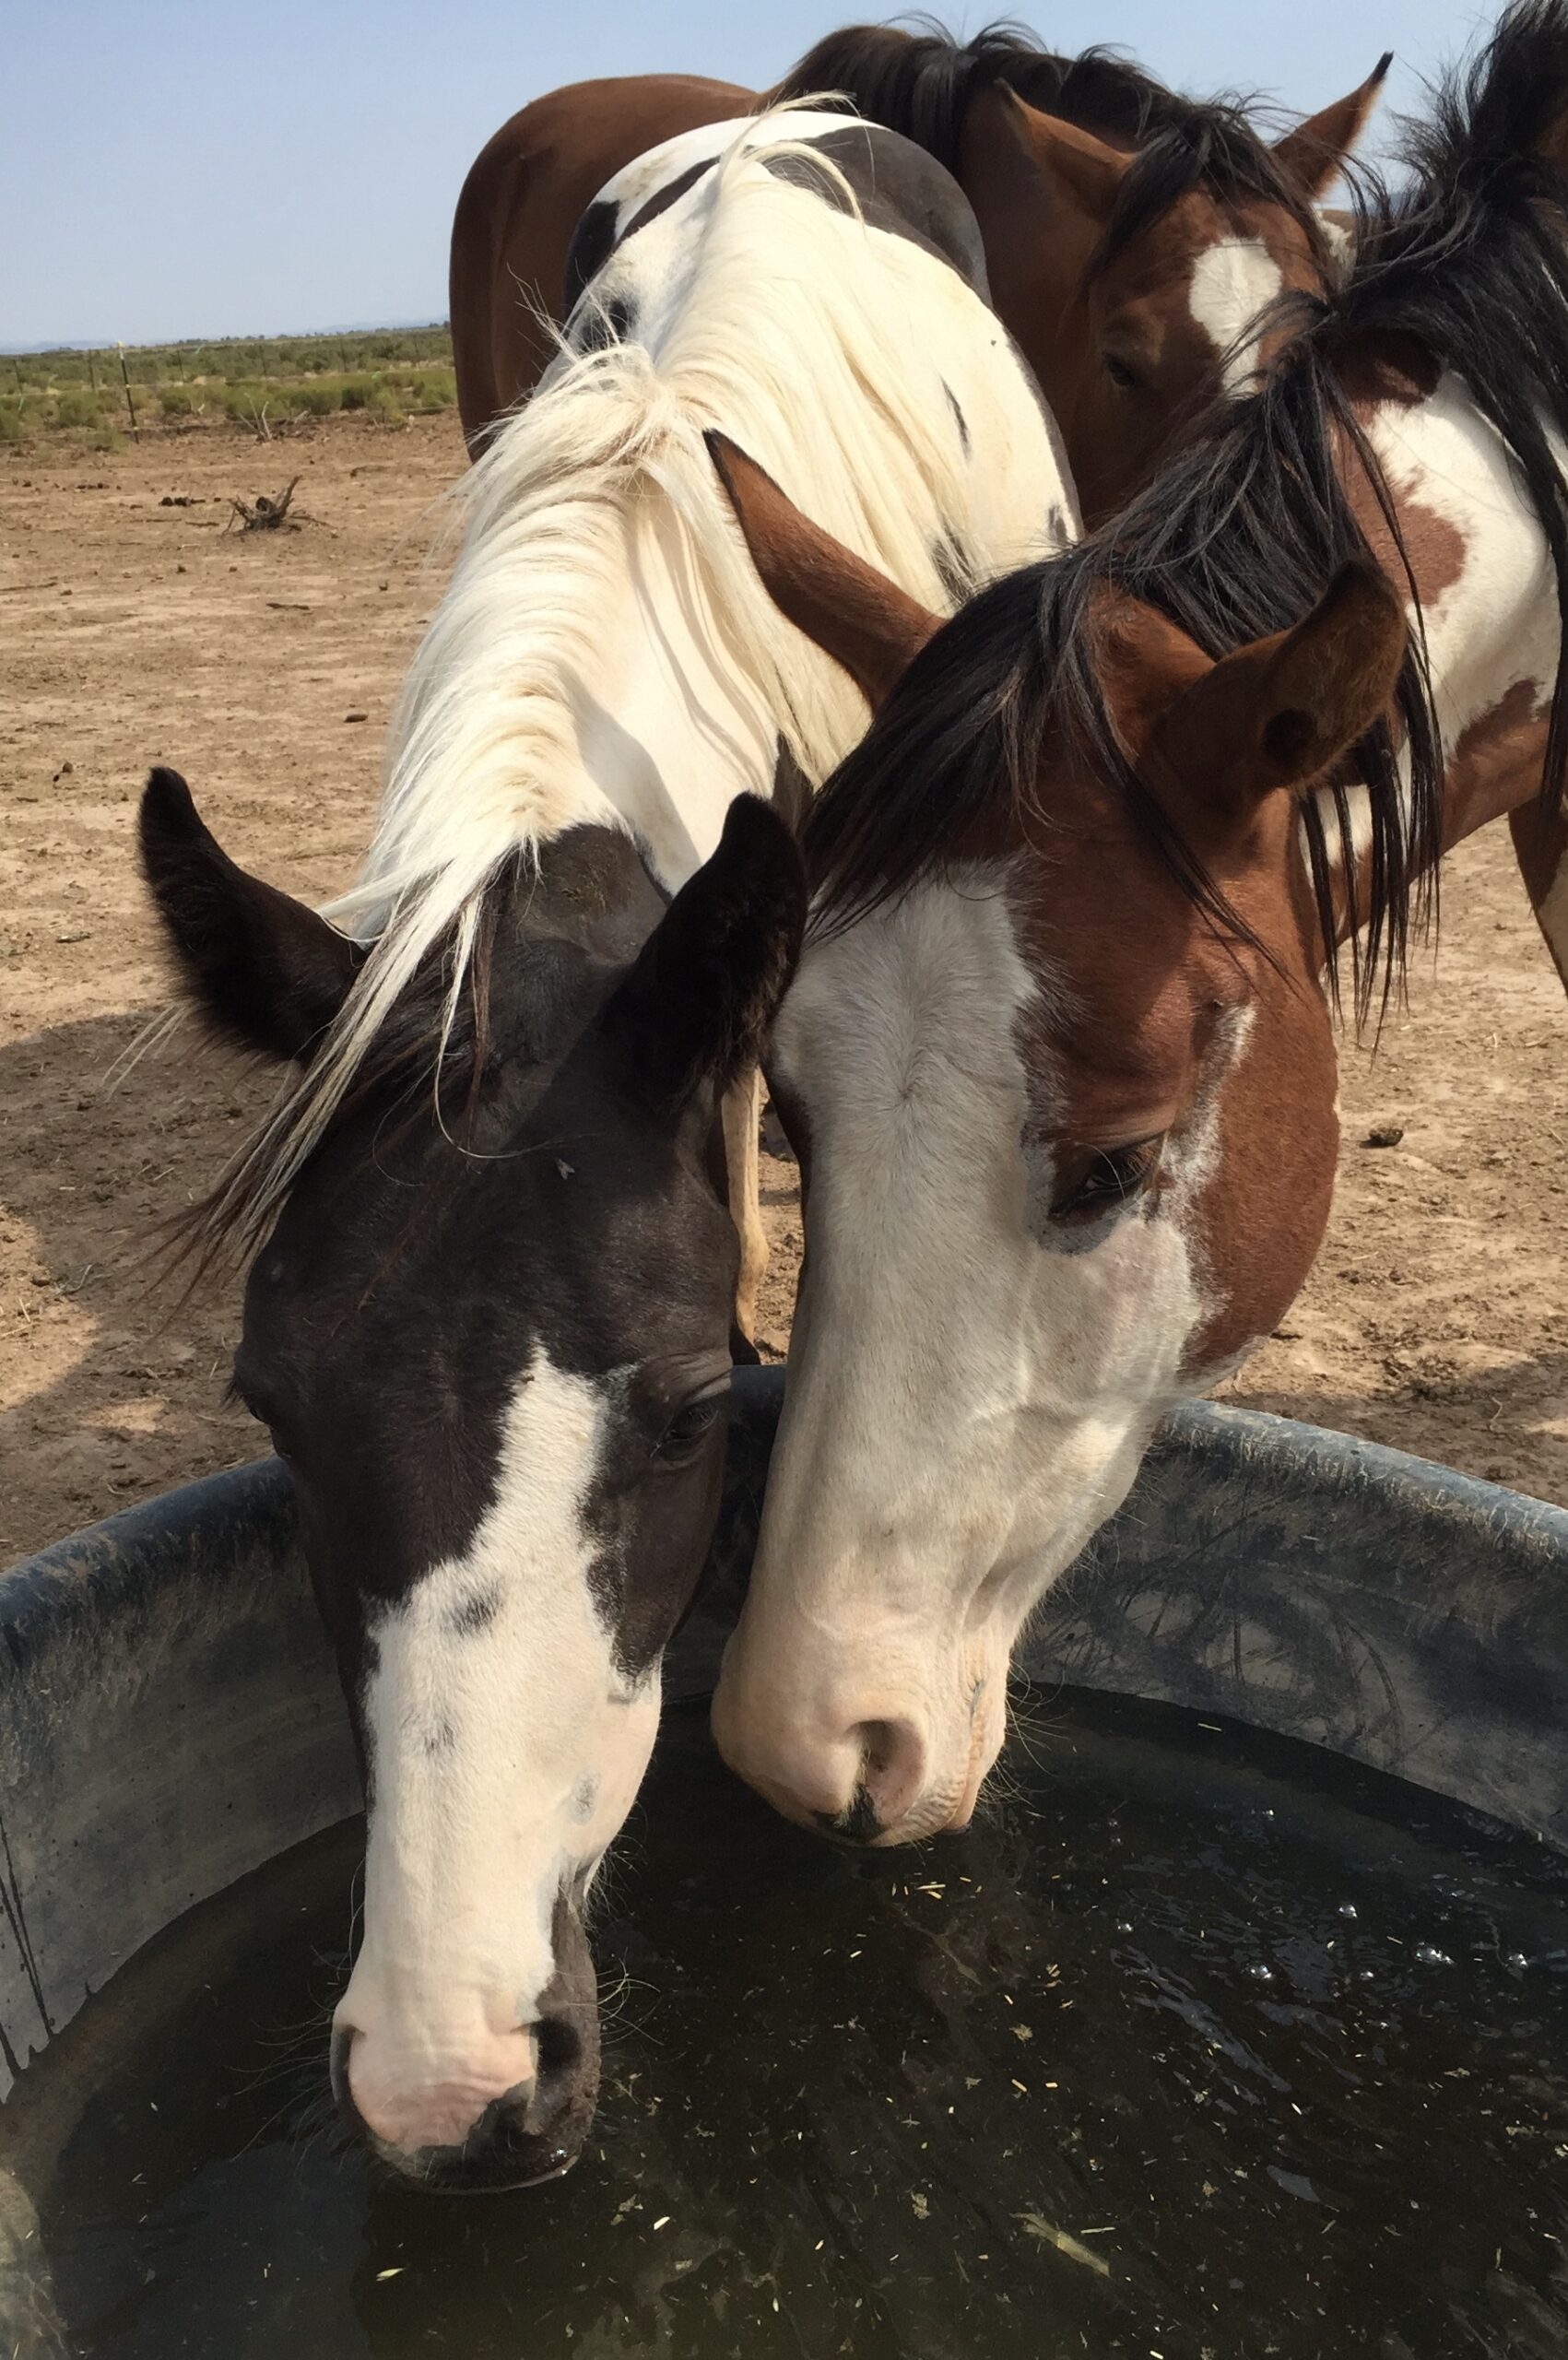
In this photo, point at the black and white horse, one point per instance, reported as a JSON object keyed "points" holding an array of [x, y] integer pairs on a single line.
{"points": [[493, 1268]]}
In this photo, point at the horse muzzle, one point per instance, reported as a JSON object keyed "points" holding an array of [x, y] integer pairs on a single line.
{"points": [[465, 2110]]}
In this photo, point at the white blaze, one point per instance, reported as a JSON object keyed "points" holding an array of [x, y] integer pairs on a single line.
{"points": [[505, 1749], [1232, 283]]}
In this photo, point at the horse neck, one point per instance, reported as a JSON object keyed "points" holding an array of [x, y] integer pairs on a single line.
{"points": [[575, 675], [1482, 572], [1487, 590], [606, 652], [666, 729]]}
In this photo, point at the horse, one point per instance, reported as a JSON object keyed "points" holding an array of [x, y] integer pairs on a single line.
{"points": [[1130, 235], [1059, 1060], [488, 1314]]}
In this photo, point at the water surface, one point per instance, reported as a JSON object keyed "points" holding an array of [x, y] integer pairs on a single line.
{"points": [[1202, 2044]]}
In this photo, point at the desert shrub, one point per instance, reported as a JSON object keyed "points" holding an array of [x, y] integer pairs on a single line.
{"points": [[358, 393], [436, 389], [11, 427], [243, 400], [77, 408], [384, 406], [315, 401], [177, 401]]}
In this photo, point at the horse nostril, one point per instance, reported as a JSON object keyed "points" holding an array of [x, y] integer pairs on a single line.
{"points": [[558, 2054], [892, 1769], [343, 2038]]}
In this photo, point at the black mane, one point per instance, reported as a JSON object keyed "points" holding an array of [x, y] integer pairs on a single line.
{"points": [[1240, 535], [920, 83]]}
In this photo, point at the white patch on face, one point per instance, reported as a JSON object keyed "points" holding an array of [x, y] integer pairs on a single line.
{"points": [[1232, 283], [504, 1754], [966, 1405]]}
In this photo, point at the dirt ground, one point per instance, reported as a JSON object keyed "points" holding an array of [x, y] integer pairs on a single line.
{"points": [[263, 666]]}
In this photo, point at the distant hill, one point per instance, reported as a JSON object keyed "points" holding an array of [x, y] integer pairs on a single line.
{"points": [[216, 343]]}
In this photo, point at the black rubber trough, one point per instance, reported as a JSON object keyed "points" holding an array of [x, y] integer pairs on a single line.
{"points": [[170, 1719]]}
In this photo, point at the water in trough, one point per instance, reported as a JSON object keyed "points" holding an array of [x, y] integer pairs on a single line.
{"points": [[1199, 2044]]}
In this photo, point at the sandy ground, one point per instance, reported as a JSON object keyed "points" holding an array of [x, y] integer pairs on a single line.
{"points": [[133, 632]]}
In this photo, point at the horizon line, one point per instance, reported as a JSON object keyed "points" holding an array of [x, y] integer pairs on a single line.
{"points": [[198, 343]]}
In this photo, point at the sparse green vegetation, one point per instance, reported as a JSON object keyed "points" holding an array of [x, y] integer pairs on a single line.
{"points": [[77, 409], [260, 384]]}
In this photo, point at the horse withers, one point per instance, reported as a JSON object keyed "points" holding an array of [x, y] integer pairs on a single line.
{"points": [[1131, 235], [491, 1306], [1059, 1058]]}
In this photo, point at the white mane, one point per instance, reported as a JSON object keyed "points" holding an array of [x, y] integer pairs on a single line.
{"points": [[809, 341]]}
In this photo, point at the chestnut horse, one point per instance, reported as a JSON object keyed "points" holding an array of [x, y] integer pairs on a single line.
{"points": [[488, 1315], [1059, 1060], [1128, 278]]}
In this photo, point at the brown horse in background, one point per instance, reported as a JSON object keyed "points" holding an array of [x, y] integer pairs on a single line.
{"points": [[1131, 235]]}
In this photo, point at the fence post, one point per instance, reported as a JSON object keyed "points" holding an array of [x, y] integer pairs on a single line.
{"points": [[130, 405]]}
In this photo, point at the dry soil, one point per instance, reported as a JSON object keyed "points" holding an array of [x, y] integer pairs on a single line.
{"points": [[263, 666]]}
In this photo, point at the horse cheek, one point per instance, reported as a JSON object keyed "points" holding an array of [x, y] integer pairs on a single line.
{"points": [[1256, 1227]]}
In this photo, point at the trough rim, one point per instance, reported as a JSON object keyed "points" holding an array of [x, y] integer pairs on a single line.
{"points": [[263, 1485]]}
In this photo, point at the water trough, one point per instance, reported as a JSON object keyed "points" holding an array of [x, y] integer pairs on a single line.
{"points": [[170, 1719]]}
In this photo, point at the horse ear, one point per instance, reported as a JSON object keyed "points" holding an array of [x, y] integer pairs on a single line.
{"points": [[855, 614], [266, 971], [1276, 713], [1313, 155], [699, 999], [1077, 168]]}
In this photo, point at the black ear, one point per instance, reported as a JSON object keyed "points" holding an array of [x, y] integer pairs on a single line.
{"points": [[265, 970], [701, 997]]}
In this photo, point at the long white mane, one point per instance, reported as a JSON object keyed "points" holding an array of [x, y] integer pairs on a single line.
{"points": [[809, 341]]}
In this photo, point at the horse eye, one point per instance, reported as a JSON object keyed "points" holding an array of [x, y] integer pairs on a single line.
{"points": [[689, 1427], [1121, 376], [1116, 1174]]}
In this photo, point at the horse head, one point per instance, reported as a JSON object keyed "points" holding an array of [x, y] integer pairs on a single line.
{"points": [[489, 1327]]}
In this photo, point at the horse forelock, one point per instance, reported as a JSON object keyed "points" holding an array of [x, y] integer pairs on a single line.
{"points": [[1212, 148]]}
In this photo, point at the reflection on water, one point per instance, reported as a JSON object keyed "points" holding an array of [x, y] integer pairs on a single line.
{"points": [[1200, 2045]]}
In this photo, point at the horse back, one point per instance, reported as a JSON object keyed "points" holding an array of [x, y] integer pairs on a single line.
{"points": [[520, 205]]}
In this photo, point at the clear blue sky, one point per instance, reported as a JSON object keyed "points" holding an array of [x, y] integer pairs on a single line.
{"points": [[189, 168]]}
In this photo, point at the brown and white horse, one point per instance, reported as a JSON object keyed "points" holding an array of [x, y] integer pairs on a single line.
{"points": [[492, 1282], [1128, 278], [1059, 1058]]}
